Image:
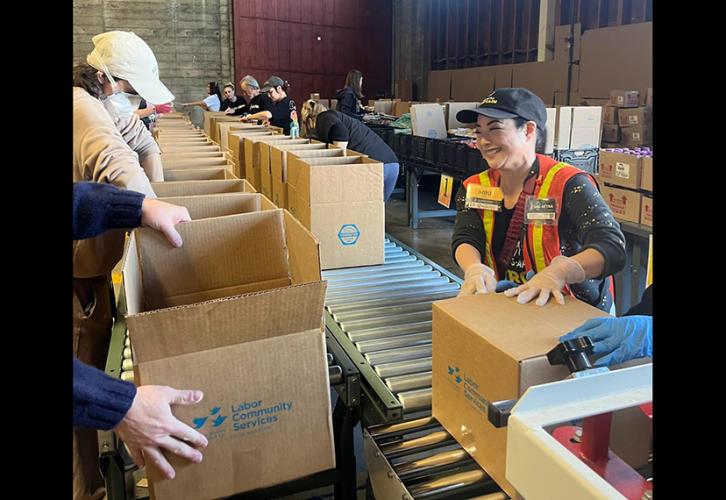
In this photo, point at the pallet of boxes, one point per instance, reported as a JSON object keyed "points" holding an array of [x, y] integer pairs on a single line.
{"points": [[626, 160], [577, 135]]}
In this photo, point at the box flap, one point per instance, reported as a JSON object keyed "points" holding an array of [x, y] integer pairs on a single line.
{"points": [[521, 331], [218, 253], [191, 188], [303, 251], [217, 205], [207, 325], [196, 174]]}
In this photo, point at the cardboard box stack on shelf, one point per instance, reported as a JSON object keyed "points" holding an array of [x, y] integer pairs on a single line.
{"points": [[626, 123], [626, 177]]}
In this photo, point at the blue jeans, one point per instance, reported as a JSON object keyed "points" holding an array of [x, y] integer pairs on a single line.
{"points": [[390, 176]]}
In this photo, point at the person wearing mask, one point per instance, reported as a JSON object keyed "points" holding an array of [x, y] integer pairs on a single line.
{"points": [[212, 102], [230, 100], [110, 145], [252, 100], [342, 131], [278, 108], [349, 97], [617, 340], [528, 212], [142, 416]]}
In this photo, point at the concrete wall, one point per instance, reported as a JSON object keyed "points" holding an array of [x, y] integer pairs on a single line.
{"points": [[190, 38]]}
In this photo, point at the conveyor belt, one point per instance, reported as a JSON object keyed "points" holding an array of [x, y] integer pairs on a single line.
{"points": [[381, 316]]}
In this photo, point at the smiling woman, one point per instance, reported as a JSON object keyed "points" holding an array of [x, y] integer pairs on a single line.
{"points": [[530, 214]]}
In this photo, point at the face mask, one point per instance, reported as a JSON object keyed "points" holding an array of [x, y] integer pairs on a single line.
{"points": [[119, 104]]}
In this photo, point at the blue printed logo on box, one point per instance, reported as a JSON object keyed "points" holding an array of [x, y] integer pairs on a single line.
{"points": [[349, 234]]}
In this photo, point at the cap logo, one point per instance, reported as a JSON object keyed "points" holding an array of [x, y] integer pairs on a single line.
{"points": [[489, 100]]}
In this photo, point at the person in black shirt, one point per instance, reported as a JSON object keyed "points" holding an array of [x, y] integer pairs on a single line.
{"points": [[334, 127], [230, 99], [581, 248], [251, 101], [278, 108], [350, 96]]}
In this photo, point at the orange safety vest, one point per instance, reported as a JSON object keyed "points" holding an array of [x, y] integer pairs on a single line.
{"points": [[544, 238]]}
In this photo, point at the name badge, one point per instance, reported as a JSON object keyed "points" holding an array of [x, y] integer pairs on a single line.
{"points": [[484, 198], [542, 211]]}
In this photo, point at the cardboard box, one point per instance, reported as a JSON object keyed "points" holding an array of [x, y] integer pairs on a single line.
{"points": [[175, 156], [189, 148], [194, 188], [340, 199], [489, 347], [472, 84], [620, 169], [427, 120], [226, 127], [402, 107], [646, 174], [278, 165], [252, 155], [646, 210], [384, 106], [236, 147], [219, 205], [636, 136], [226, 325], [610, 115], [624, 204], [610, 133], [625, 98], [180, 162], [198, 174], [216, 120], [264, 162], [439, 85], [551, 126], [454, 107], [578, 127], [562, 45], [633, 117]]}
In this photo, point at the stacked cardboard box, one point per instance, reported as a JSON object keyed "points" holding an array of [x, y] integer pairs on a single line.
{"points": [[257, 150], [340, 199], [627, 175], [625, 122]]}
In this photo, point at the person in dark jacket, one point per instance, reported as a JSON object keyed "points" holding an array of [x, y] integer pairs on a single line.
{"points": [[349, 97], [342, 131], [278, 108], [141, 416]]}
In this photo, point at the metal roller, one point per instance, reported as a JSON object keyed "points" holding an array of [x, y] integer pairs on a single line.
{"points": [[361, 278], [382, 332], [335, 374], [374, 345], [416, 444], [392, 355], [418, 283], [403, 300], [447, 483], [361, 271], [127, 342], [420, 399], [382, 312], [405, 427], [409, 382], [414, 317], [127, 353], [127, 364], [329, 357], [409, 291], [396, 260], [433, 461], [383, 280], [492, 496], [127, 376], [387, 370], [395, 250]]}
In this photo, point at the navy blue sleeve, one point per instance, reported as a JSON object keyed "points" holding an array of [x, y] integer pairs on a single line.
{"points": [[99, 207], [99, 401], [348, 104]]}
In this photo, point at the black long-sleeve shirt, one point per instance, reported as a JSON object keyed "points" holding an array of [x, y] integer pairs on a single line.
{"points": [[585, 222], [348, 103]]}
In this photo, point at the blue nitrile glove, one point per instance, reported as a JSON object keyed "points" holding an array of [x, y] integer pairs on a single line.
{"points": [[617, 339], [506, 284]]}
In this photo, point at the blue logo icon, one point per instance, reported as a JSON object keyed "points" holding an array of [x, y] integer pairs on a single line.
{"points": [[349, 234], [216, 422], [455, 371]]}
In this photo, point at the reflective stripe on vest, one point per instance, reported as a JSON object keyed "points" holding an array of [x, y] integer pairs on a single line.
{"points": [[487, 218], [537, 231]]}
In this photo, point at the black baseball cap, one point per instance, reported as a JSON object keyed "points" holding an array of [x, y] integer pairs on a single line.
{"points": [[273, 81], [508, 103]]}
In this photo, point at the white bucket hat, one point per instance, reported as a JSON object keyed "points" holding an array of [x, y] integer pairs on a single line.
{"points": [[126, 56]]}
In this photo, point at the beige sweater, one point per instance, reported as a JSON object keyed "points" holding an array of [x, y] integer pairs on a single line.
{"points": [[122, 153]]}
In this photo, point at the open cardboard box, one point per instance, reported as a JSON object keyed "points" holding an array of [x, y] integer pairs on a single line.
{"points": [[218, 205], [198, 174], [193, 188], [237, 313], [252, 152], [180, 162]]}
